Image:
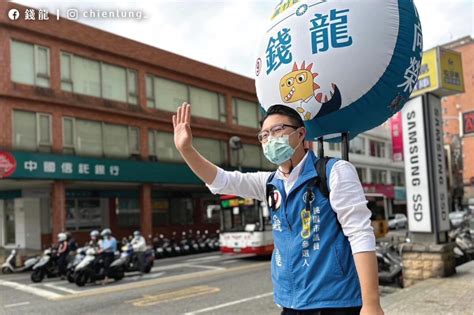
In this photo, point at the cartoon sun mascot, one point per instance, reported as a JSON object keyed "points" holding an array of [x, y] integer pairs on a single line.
{"points": [[298, 89]]}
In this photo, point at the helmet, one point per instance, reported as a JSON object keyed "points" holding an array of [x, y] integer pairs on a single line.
{"points": [[137, 233], [62, 237], [95, 234], [106, 232]]}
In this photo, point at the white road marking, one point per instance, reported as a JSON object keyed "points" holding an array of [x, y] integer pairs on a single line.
{"points": [[176, 266], [216, 257], [29, 289], [56, 287], [230, 261], [206, 267], [230, 303], [16, 304], [144, 277]]}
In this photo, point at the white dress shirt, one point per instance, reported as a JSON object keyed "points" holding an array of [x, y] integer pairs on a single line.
{"points": [[346, 197]]}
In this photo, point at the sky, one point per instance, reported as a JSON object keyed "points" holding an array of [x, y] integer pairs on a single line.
{"points": [[225, 33]]}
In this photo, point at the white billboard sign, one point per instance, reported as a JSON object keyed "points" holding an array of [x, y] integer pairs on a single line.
{"points": [[416, 168]]}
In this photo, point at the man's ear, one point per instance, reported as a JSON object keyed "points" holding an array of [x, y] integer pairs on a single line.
{"points": [[302, 133]]}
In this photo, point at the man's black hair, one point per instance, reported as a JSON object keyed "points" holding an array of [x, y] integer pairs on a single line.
{"points": [[289, 112]]}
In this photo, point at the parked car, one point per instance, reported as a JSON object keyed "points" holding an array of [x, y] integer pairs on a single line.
{"points": [[399, 221]]}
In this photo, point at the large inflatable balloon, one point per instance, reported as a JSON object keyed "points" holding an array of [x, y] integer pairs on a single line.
{"points": [[343, 65]]}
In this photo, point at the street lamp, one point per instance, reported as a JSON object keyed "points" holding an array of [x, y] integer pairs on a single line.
{"points": [[236, 145]]}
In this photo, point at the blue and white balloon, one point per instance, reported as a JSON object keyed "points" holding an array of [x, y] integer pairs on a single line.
{"points": [[345, 66]]}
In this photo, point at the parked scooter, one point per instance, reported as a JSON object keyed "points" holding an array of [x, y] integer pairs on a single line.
{"points": [[464, 245], [389, 264], [158, 246], [80, 255], [9, 266], [184, 244], [91, 269], [175, 245], [47, 266], [130, 259]]}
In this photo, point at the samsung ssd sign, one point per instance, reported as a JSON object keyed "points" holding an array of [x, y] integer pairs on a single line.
{"points": [[427, 198]]}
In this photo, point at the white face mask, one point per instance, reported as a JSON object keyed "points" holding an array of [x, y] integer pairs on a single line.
{"points": [[278, 149]]}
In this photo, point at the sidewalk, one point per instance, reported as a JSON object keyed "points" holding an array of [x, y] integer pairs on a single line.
{"points": [[452, 295]]}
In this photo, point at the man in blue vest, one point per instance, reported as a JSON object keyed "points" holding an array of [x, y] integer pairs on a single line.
{"points": [[324, 257]]}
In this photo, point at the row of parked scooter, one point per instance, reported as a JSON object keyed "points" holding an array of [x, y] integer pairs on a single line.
{"points": [[188, 243], [390, 259]]}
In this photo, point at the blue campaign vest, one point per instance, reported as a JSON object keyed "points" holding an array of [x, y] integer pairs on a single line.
{"points": [[312, 263]]}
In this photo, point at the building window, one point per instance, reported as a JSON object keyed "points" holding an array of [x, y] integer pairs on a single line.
{"points": [[114, 81], [160, 212], [362, 173], [150, 92], [134, 140], [89, 139], [132, 87], [182, 213], [161, 146], [207, 103], [377, 148], [128, 212], [398, 178], [168, 95], [68, 135], [378, 176], [30, 64], [115, 140], [213, 150], [99, 79], [32, 131], [66, 72], [357, 145], [83, 214], [246, 113], [165, 94], [93, 138]]}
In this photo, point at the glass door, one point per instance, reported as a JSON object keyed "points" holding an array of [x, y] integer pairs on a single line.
{"points": [[9, 220]]}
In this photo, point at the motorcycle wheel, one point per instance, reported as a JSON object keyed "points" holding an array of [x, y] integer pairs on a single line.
{"points": [[148, 267], [6, 270], [81, 278], [399, 280], [70, 276], [119, 274], [37, 275]]}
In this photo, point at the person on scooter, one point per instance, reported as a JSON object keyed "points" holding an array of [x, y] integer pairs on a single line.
{"points": [[108, 246], [94, 242], [139, 248], [63, 251], [71, 242]]}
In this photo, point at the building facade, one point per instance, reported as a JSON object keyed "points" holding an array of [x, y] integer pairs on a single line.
{"points": [[86, 135], [371, 154], [460, 146]]}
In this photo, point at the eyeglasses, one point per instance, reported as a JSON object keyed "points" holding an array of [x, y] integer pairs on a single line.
{"points": [[275, 131]]}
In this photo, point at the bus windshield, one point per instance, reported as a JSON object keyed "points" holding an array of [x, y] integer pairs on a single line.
{"points": [[242, 216]]}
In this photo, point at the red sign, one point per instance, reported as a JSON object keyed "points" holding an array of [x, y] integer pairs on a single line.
{"points": [[397, 136], [7, 164], [386, 190], [468, 123]]}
